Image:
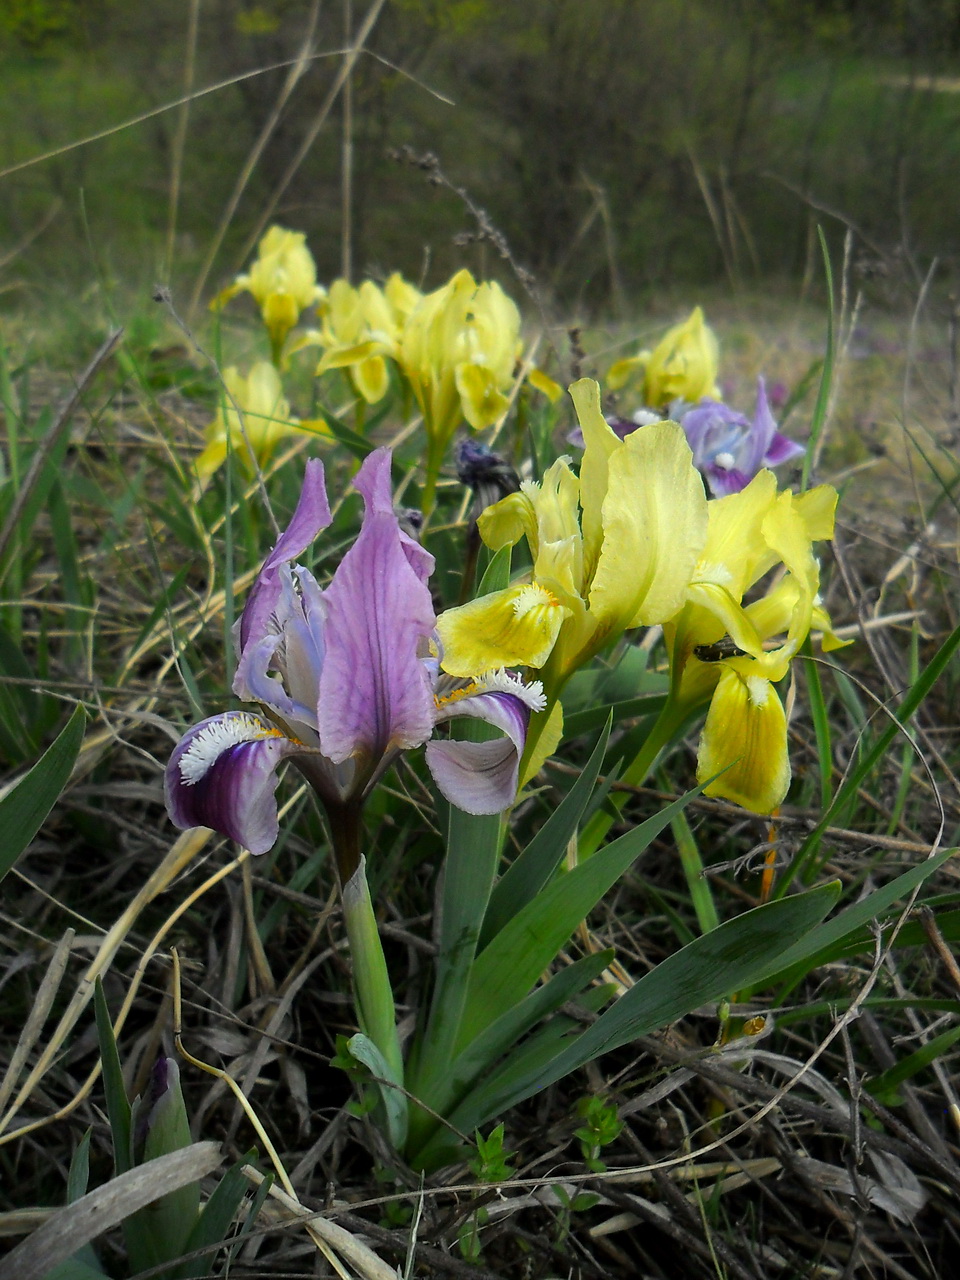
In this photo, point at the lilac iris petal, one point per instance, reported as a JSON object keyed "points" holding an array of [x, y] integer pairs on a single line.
{"points": [[293, 648], [779, 448], [478, 777], [728, 449], [223, 774], [346, 678], [374, 693], [481, 777], [311, 516]]}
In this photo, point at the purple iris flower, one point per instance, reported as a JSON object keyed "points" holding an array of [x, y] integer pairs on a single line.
{"points": [[346, 677], [728, 449]]}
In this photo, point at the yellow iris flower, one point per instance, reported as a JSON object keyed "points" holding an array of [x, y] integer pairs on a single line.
{"points": [[682, 366], [459, 350], [283, 281], [361, 329], [266, 420], [718, 646], [613, 548]]}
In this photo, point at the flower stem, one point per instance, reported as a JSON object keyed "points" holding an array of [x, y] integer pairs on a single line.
{"points": [[435, 451]]}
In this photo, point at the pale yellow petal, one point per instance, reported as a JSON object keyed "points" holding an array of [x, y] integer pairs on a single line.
{"points": [[547, 744], [684, 364], [512, 518], [654, 528], [344, 357], [511, 628], [817, 507], [732, 619], [735, 545], [745, 734], [600, 443], [545, 384], [483, 402], [211, 459], [371, 378]]}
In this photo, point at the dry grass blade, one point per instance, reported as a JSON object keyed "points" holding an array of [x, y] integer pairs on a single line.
{"points": [[67, 1231], [346, 68], [326, 1235], [181, 854], [38, 1015]]}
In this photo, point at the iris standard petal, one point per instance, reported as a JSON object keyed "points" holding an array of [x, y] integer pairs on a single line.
{"points": [[601, 443], [654, 528], [512, 518], [312, 515], [745, 735], [374, 692], [772, 448], [223, 774]]}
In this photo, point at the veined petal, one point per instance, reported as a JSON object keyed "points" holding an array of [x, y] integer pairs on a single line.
{"points": [[371, 379], [293, 648], [745, 734], [600, 443], [223, 774], [816, 508], [654, 528], [374, 694], [735, 621], [312, 515], [478, 777], [735, 545], [481, 777], [516, 627], [483, 401]]}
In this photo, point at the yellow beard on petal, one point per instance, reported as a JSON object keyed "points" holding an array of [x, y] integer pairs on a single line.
{"points": [[516, 627]]}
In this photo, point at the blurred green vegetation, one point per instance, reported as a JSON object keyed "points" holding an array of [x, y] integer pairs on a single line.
{"points": [[619, 144]]}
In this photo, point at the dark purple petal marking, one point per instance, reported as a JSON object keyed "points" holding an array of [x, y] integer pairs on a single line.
{"points": [[724, 481], [223, 774], [311, 516], [375, 694]]}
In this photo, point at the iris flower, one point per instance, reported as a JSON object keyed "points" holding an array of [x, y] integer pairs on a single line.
{"points": [[728, 655], [729, 450], [266, 421], [283, 281], [459, 351], [362, 328], [682, 366], [613, 548], [345, 677]]}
